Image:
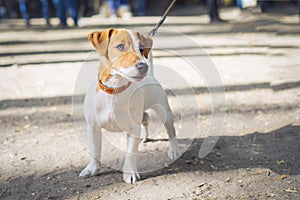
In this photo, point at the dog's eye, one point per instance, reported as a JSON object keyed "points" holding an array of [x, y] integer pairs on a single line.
{"points": [[142, 48], [121, 47]]}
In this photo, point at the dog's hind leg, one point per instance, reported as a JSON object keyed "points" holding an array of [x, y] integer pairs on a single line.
{"points": [[163, 111], [94, 140], [144, 127]]}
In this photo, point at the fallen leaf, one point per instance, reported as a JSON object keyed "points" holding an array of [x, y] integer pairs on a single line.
{"points": [[279, 162], [292, 191], [289, 182], [27, 126], [285, 175], [214, 167], [219, 154]]}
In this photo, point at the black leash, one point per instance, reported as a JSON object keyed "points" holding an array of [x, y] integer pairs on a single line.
{"points": [[162, 19]]}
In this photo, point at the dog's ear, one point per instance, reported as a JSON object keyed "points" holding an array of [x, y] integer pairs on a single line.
{"points": [[147, 42], [100, 40]]}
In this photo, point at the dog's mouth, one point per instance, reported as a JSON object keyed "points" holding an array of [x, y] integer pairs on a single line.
{"points": [[129, 78], [132, 78]]}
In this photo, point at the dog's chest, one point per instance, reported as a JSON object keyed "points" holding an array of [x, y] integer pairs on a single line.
{"points": [[119, 112], [108, 121]]}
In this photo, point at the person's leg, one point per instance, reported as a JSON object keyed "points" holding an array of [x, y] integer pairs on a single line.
{"points": [[212, 10], [141, 5], [73, 8], [216, 10], [60, 11], [96, 6], [10, 13], [113, 5], [299, 10], [122, 2], [24, 11], [45, 10], [64, 12]]}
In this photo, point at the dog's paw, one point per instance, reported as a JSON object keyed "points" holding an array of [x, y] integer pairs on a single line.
{"points": [[174, 151], [92, 169], [131, 177]]}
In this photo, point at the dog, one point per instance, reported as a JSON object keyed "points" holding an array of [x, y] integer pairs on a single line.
{"points": [[118, 102]]}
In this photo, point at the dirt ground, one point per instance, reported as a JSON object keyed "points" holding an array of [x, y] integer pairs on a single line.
{"points": [[257, 154]]}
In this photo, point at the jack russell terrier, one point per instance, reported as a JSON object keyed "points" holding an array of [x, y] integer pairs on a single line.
{"points": [[126, 88]]}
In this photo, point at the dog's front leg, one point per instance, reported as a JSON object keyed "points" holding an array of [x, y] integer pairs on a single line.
{"points": [[130, 173], [94, 139]]}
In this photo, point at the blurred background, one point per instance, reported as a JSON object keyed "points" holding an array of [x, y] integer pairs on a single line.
{"points": [[87, 8]]}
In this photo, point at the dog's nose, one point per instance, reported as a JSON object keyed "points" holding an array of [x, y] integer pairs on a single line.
{"points": [[142, 67]]}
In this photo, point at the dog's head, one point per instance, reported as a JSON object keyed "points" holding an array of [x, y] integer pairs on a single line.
{"points": [[125, 52]]}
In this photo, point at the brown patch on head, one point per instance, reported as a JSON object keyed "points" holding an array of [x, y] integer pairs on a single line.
{"points": [[145, 43], [100, 40]]}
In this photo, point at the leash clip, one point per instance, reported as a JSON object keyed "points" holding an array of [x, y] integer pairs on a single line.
{"points": [[162, 19]]}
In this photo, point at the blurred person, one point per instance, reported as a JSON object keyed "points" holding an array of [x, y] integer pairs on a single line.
{"points": [[141, 7], [299, 10], [24, 11], [96, 5], [85, 8], [213, 11], [118, 8], [113, 7], [6, 9], [3, 9], [61, 11]]}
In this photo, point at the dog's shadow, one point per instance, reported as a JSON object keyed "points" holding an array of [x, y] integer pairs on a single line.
{"points": [[256, 150]]}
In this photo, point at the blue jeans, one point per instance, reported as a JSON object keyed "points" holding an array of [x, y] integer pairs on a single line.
{"points": [[61, 8], [141, 7], [212, 7], [24, 10], [115, 4]]}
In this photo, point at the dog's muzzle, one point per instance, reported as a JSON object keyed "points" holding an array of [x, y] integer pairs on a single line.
{"points": [[142, 67]]}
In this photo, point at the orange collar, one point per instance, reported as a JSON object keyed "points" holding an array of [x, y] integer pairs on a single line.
{"points": [[110, 90]]}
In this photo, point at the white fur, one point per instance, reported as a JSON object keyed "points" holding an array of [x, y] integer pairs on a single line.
{"points": [[102, 110]]}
